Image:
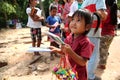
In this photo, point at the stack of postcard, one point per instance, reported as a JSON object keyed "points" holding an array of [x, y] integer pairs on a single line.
{"points": [[55, 38]]}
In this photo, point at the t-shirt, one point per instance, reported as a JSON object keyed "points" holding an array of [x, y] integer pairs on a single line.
{"points": [[52, 20], [74, 7], [118, 18], [94, 5], [107, 27], [31, 23], [84, 48]]}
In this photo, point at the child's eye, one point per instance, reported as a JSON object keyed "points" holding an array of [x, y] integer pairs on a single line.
{"points": [[78, 20]]}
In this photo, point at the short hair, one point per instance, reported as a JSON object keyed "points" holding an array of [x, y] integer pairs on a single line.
{"points": [[53, 7]]}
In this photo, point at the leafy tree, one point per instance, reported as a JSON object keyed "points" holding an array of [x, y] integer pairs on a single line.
{"points": [[6, 9], [118, 3]]}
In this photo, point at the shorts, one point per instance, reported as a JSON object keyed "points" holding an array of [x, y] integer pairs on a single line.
{"points": [[35, 34]]}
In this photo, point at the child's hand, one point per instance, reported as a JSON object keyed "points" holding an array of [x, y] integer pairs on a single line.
{"points": [[54, 49], [66, 48], [32, 11], [52, 26], [42, 18]]}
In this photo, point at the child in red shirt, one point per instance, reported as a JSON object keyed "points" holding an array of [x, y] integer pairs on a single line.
{"points": [[77, 45]]}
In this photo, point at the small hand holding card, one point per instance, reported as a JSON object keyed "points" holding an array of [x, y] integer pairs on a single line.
{"points": [[54, 37], [55, 26]]}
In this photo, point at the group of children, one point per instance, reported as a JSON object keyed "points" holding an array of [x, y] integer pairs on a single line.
{"points": [[83, 42]]}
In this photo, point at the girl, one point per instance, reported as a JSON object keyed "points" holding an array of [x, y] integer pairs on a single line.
{"points": [[59, 7], [53, 22], [34, 22], [108, 32], [77, 45]]}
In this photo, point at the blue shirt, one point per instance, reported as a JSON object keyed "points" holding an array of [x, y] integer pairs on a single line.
{"points": [[52, 20]]}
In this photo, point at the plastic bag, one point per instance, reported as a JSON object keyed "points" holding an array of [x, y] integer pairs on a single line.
{"points": [[63, 71]]}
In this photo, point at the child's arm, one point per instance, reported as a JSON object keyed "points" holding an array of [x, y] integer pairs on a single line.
{"points": [[32, 11], [38, 18], [49, 26], [57, 50], [102, 13], [78, 59], [34, 16]]}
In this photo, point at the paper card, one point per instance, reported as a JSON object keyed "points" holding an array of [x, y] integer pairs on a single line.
{"points": [[56, 24], [56, 38], [38, 49]]}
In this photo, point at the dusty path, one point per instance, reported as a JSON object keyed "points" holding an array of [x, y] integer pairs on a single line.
{"points": [[13, 49]]}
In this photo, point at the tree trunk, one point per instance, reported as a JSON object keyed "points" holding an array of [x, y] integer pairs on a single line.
{"points": [[6, 20], [42, 8]]}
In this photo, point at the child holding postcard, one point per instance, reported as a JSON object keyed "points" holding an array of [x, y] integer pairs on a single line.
{"points": [[53, 22]]}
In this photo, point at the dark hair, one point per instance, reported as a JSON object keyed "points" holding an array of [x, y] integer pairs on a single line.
{"points": [[88, 17], [113, 10], [53, 7], [98, 21], [29, 2]]}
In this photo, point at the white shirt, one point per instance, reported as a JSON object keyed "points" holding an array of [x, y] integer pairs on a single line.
{"points": [[94, 5], [31, 23], [100, 4], [118, 19], [73, 8]]}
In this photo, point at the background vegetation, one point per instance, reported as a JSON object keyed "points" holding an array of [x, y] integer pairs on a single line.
{"points": [[16, 9]]}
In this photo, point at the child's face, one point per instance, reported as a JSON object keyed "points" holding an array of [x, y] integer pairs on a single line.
{"points": [[56, 0], [79, 0], [33, 2], [77, 25], [53, 12]]}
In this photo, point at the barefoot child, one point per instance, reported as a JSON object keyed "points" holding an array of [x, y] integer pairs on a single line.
{"points": [[34, 22], [53, 22]]}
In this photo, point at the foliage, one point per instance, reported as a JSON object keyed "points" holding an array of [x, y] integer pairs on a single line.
{"points": [[46, 7], [118, 3], [11, 9], [7, 8], [2, 21]]}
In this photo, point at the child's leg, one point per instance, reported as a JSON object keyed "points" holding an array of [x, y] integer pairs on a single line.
{"points": [[104, 47], [52, 53], [33, 43], [56, 45], [34, 34], [33, 37], [38, 43], [38, 35], [39, 38]]}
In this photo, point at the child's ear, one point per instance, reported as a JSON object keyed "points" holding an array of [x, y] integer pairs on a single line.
{"points": [[88, 27]]}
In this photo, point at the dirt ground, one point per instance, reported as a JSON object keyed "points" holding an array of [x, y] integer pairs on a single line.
{"points": [[14, 44]]}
